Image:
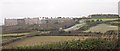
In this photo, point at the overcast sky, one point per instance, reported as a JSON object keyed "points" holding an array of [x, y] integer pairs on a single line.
{"points": [[33, 8]]}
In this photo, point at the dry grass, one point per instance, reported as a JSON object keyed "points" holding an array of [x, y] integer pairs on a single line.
{"points": [[43, 40]]}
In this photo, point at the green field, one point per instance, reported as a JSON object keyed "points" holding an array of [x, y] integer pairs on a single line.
{"points": [[14, 34], [102, 28], [27, 33], [117, 22], [18, 35], [43, 40], [103, 19]]}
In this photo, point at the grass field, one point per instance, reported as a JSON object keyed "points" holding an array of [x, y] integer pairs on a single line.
{"points": [[115, 22], [75, 44], [8, 38], [104, 19], [27, 33], [14, 34], [43, 40], [18, 35], [102, 28]]}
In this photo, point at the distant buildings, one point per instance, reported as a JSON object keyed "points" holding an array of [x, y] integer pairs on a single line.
{"points": [[103, 16], [119, 8], [36, 24], [20, 22], [56, 23], [32, 21], [55, 20], [9, 22], [25, 21]]}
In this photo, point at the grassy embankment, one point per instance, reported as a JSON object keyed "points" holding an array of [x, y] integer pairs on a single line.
{"points": [[102, 28]]}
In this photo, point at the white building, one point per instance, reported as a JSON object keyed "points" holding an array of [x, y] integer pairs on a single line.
{"points": [[10, 22], [31, 21], [56, 23], [25, 21], [56, 20]]}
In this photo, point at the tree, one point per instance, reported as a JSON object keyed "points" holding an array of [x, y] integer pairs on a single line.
{"points": [[101, 20], [97, 20], [92, 21]]}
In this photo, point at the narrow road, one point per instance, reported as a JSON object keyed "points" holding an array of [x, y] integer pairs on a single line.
{"points": [[75, 27]]}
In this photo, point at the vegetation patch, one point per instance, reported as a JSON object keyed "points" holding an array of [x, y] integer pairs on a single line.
{"points": [[102, 28], [103, 19], [43, 40], [75, 44]]}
